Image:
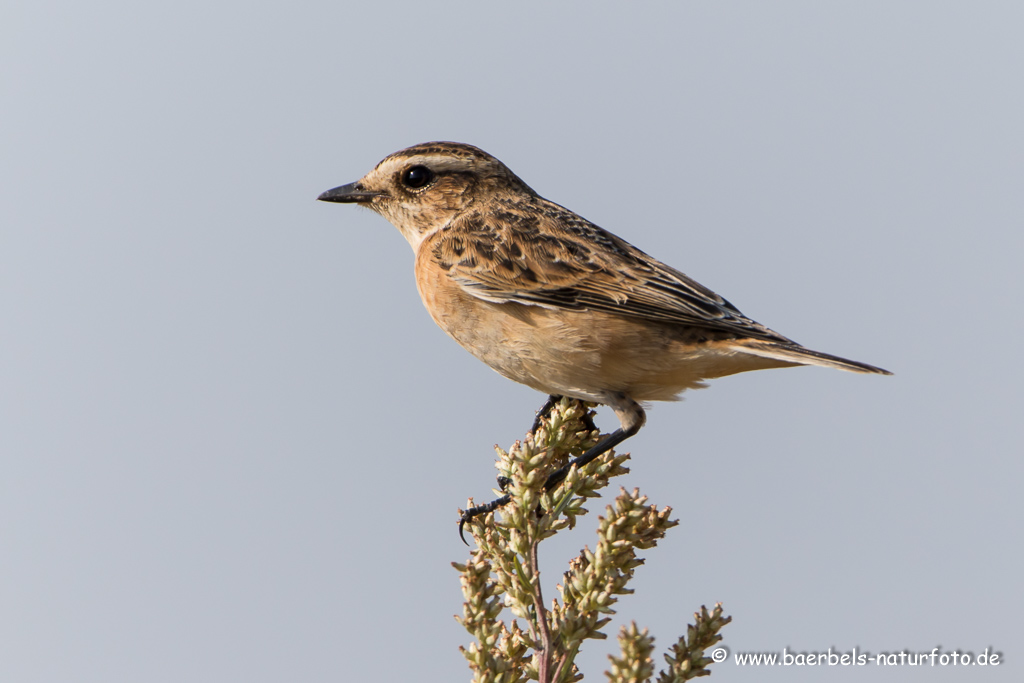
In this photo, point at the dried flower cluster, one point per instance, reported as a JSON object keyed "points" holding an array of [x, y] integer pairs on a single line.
{"points": [[503, 573]]}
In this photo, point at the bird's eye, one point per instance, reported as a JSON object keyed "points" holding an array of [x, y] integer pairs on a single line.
{"points": [[417, 177]]}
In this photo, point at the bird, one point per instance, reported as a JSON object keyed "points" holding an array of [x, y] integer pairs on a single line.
{"points": [[550, 300]]}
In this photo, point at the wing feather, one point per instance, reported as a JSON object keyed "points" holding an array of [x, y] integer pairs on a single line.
{"points": [[548, 256]]}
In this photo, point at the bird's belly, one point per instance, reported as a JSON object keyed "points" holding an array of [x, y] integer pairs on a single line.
{"points": [[580, 353], [516, 343]]}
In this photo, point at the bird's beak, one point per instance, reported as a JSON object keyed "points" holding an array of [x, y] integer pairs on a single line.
{"points": [[353, 193]]}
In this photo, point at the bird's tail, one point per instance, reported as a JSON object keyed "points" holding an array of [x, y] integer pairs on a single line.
{"points": [[794, 353]]}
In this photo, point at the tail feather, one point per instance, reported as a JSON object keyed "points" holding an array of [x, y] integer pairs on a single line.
{"points": [[794, 353]]}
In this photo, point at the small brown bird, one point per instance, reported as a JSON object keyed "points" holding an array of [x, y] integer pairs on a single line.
{"points": [[551, 300]]}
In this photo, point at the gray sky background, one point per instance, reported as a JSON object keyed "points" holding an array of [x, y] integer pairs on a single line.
{"points": [[233, 443]]}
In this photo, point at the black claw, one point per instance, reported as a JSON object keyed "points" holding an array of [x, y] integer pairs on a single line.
{"points": [[480, 510], [556, 477], [544, 411], [503, 481]]}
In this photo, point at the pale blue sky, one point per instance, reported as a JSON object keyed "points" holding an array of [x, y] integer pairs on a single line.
{"points": [[233, 442]]}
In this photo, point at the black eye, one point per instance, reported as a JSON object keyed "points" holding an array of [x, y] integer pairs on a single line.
{"points": [[417, 176]]}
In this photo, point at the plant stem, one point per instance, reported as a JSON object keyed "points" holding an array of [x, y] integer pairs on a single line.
{"points": [[544, 667]]}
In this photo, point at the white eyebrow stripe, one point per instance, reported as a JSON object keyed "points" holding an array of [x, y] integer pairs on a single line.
{"points": [[435, 162]]}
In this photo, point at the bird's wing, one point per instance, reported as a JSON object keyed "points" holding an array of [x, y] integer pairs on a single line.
{"points": [[553, 258]]}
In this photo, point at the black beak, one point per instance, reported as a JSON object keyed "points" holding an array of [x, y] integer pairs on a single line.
{"points": [[353, 193]]}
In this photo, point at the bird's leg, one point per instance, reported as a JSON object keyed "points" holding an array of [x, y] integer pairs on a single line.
{"points": [[588, 420], [606, 444], [503, 481], [480, 510], [544, 411], [632, 417]]}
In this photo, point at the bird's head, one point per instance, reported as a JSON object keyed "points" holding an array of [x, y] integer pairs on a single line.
{"points": [[422, 188]]}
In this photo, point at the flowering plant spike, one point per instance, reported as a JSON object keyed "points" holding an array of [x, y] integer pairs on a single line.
{"points": [[541, 641]]}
